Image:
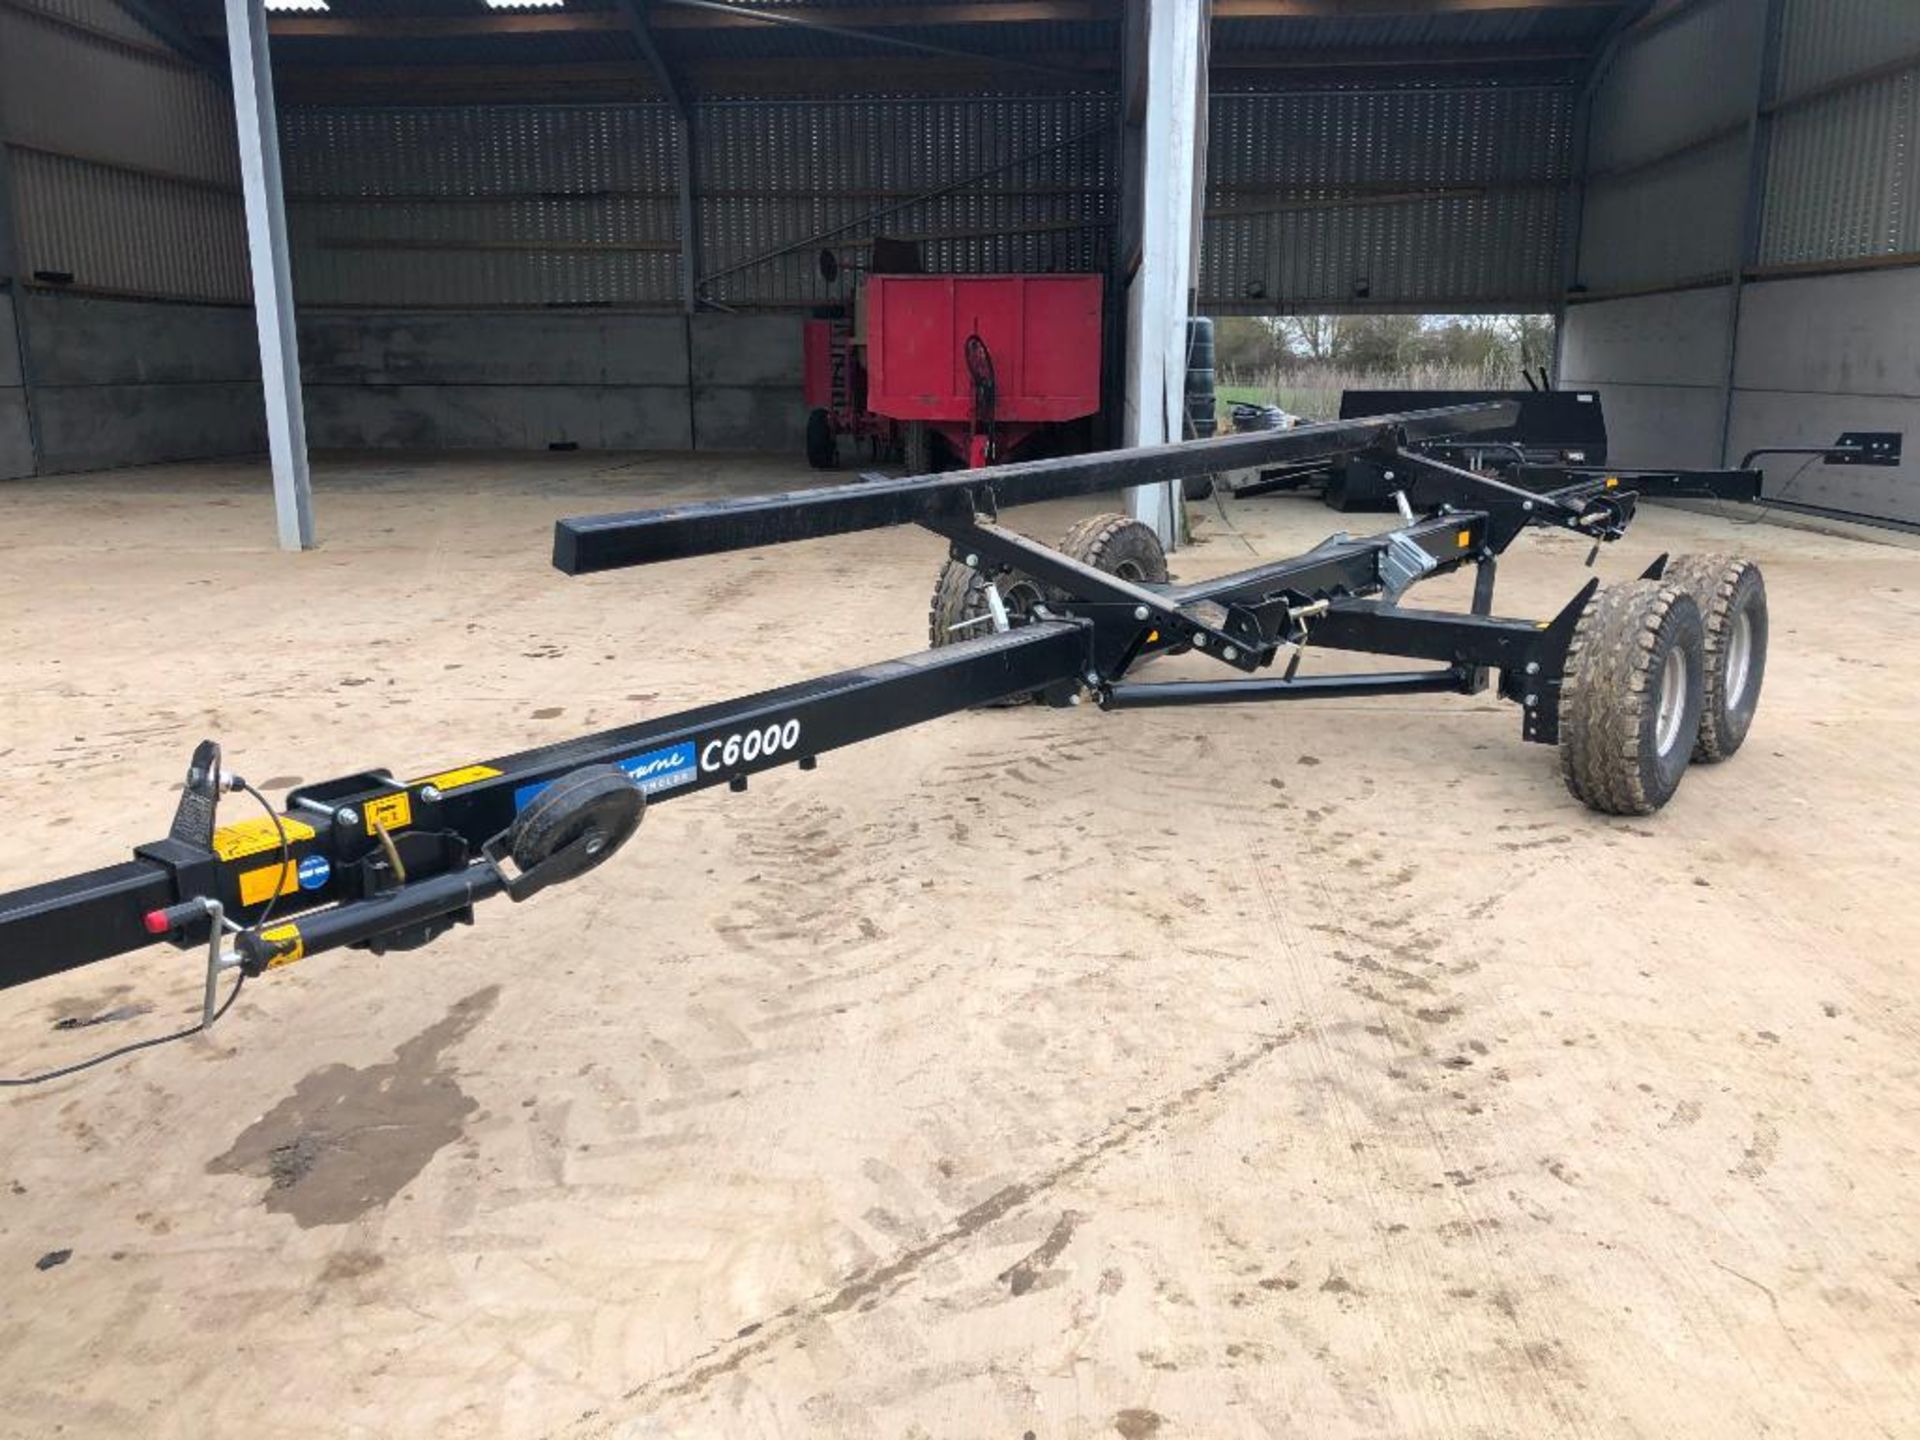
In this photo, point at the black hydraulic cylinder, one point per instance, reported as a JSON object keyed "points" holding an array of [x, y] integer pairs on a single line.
{"points": [[413, 904], [1306, 687]]}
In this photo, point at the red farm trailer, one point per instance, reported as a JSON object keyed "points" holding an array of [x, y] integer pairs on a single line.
{"points": [[954, 369]]}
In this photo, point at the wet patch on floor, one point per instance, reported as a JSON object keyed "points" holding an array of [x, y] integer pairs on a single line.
{"points": [[348, 1140]]}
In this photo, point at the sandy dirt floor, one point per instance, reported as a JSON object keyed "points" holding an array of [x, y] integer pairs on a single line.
{"points": [[1304, 1072]]}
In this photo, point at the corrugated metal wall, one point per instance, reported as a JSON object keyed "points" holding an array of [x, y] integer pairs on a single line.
{"points": [[575, 205], [1667, 151], [1417, 198], [773, 173], [1410, 198], [122, 156], [1842, 160], [482, 205], [1740, 337]]}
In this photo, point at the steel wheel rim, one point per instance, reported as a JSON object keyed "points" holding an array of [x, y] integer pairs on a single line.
{"points": [[1129, 570], [1673, 700], [1020, 596], [1739, 658]]}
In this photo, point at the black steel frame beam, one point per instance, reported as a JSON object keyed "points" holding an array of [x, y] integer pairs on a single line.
{"points": [[1305, 687], [1140, 609], [1375, 628], [587, 544], [1740, 484], [49, 928], [1338, 567], [350, 840]]}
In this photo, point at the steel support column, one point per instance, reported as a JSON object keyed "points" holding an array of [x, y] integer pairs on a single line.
{"points": [[1746, 240], [13, 274], [642, 31], [259, 141], [1157, 298]]}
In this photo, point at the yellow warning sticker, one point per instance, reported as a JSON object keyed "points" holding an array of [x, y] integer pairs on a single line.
{"points": [[251, 837], [395, 812], [287, 944], [1465, 538], [257, 885], [453, 779]]}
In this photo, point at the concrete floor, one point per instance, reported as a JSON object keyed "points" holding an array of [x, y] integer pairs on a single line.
{"points": [[1308, 1072]]}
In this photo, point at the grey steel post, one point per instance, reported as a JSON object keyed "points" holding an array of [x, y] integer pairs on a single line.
{"points": [[256, 130], [1746, 240]]}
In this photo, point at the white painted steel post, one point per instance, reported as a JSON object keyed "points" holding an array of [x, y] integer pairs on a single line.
{"points": [[1155, 401], [259, 141]]}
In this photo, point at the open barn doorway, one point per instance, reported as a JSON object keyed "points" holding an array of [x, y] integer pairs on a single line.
{"points": [[1302, 364]]}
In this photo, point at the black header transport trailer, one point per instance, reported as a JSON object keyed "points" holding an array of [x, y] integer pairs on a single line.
{"points": [[1630, 682], [1556, 438]]}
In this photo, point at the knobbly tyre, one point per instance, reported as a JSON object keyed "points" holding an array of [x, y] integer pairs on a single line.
{"points": [[1631, 682]]}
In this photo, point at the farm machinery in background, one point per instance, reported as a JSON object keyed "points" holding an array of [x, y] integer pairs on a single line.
{"points": [[1556, 438], [955, 371]]}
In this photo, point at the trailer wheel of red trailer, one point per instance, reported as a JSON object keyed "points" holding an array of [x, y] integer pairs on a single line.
{"points": [[823, 446], [918, 447]]}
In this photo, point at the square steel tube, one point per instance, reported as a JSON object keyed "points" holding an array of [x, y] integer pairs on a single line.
{"points": [[586, 544]]}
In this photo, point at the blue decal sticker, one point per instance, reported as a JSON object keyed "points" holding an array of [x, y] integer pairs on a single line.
{"points": [[313, 872], [654, 771]]}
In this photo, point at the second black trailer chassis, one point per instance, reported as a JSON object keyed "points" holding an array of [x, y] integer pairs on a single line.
{"points": [[1629, 683]]}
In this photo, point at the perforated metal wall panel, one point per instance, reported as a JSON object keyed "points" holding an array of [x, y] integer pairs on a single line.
{"points": [[1667, 153], [1671, 223], [551, 205], [771, 174], [482, 205], [101, 16], [123, 163], [1823, 41], [129, 234], [1842, 171], [1416, 198], [1679, 82]]}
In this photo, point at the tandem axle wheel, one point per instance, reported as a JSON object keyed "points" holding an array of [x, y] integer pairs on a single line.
{"points": [[1661, 671]]}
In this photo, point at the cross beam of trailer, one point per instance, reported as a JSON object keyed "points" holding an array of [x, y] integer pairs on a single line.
{"points": [[374, 861]]}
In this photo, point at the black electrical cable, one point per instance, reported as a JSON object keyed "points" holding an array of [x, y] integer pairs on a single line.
{"points": [[1766, 506], [146, 1044], [286, 862], [286, 852]]}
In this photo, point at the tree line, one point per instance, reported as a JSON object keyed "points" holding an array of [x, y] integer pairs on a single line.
{"points": [[1499, 348]]}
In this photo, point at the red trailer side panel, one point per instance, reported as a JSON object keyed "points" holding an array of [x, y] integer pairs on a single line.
{"points": [[816, 350], [1043, 332]]}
